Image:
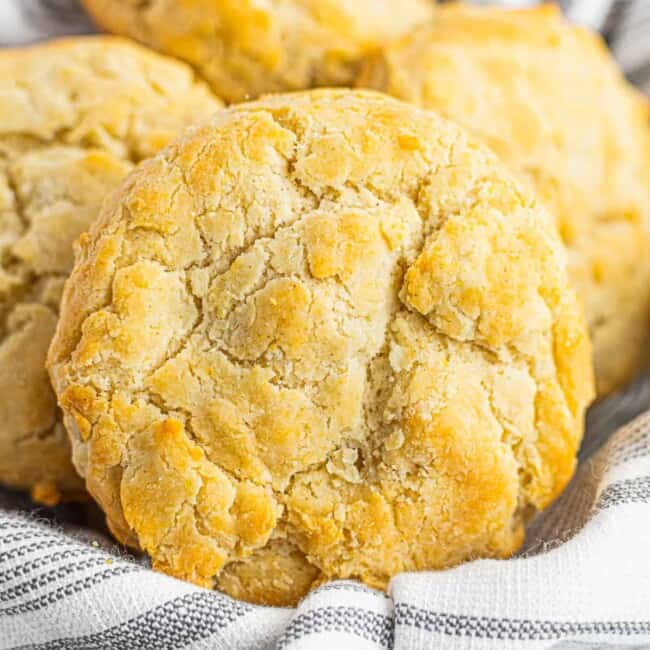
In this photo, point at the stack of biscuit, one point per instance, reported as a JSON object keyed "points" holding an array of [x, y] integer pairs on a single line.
{"points": [[340, 332]]}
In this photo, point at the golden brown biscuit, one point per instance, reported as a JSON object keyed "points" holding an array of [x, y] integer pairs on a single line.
{"points": [[326, 335], [75, 115], [245, 48], [548, 98]]}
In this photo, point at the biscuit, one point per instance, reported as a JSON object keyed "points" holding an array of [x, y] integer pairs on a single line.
{"points": [[75, 116], [245, 48], [323, 335], [548, 98]]}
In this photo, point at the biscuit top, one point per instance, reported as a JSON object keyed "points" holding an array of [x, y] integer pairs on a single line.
{"points": [[323, 332], [99, 91], [94, 105], [544, 94], [75, 115], [549, 99], [245, 48]]}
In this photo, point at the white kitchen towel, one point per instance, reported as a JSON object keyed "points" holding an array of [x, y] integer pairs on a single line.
{"points": [[582, 581]]}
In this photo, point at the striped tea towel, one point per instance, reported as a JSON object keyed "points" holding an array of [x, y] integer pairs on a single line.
{"points": [[583, 580]]}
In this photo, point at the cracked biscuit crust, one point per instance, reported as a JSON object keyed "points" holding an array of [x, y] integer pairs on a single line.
{"points": [[75, 116], [245, 48], [323, 335], [548, 98]]}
